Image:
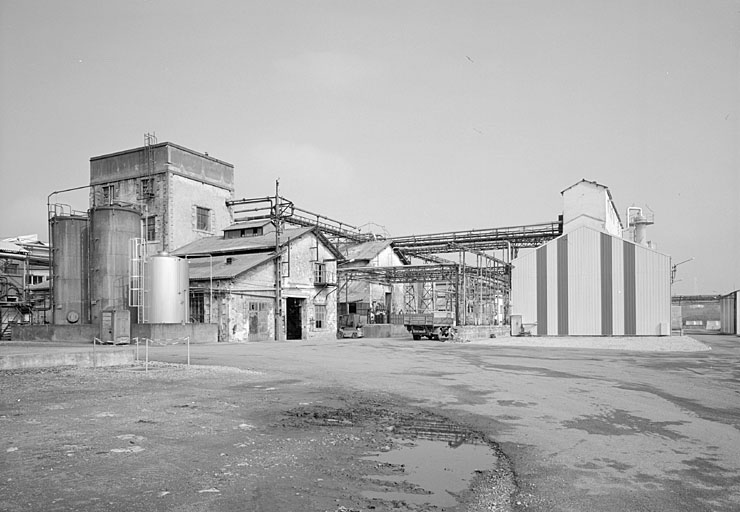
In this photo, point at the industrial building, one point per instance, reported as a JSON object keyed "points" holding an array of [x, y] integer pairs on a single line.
{"points": [[363, 302], [165, 247], [590, 281], [24, 274], [181, 194], [233, 282]]}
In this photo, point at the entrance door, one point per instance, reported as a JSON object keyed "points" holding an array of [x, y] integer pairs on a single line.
{"points": [[293, 318]]}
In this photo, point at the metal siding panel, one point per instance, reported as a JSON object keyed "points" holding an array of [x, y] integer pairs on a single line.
{"points": [[606, 285], [652, 291], [583, 289], [542, 290], [524, 287], [618, 287], [630, 306], [563, 270], [552, 289]]}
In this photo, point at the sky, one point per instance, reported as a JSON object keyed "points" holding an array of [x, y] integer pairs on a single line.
{"points": [[401, 117]]}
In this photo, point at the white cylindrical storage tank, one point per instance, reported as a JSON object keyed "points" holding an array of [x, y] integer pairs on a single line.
{"points": [[167, 290]]}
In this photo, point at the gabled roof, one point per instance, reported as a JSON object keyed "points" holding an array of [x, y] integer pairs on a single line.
{"points": [[220, 245], [608, 194], [217, 245], [366, 251], [249, 224], [204, 269]]}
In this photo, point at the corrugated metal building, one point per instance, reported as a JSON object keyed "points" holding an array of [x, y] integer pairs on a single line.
{"points": [[729, 313], [590, 283]]}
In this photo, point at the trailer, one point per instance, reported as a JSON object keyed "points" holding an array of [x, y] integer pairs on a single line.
{"points": [[435, 326]]}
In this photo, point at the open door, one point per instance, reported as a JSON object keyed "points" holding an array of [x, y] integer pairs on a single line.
{"points": [[293, 318]]}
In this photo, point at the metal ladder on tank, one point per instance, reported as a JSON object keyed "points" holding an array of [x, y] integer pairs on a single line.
{"points": [[137, 273]]}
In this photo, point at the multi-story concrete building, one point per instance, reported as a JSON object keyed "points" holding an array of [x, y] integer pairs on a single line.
{"points": [[181, 193]]}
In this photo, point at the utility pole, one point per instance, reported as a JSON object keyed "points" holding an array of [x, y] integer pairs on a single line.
{"points": [[278, 266]]}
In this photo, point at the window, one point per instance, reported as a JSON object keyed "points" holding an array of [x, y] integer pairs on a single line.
{"points": [[150, 228], [147, 188], [197, 308], [32, 279], [109, 194], [202, 219], [320, 315]]}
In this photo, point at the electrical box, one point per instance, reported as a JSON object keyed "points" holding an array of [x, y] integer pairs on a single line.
{"points": [[115, 326]]}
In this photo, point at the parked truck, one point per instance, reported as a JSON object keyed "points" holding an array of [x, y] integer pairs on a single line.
{"points": [[435, 325]]}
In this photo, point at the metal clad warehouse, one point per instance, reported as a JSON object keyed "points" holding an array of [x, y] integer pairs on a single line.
{"points": [[590, 283]]}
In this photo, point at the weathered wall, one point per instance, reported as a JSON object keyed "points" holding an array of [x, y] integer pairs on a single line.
{"points": [[170, 333], [185, 194], [79, 332]]}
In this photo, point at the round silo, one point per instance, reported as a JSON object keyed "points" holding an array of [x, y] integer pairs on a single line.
{"points": [[111, 231], [70, 269]]}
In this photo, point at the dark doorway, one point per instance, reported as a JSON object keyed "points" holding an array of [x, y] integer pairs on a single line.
{"points": [[293, 328]]}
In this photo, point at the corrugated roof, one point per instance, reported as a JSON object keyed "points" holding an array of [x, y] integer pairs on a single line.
{"points": [[9, 247], [365, 250], [217, 268], [220, 245]]}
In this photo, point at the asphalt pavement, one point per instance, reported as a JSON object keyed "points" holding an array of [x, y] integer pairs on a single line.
{"points": [[587, 429]]}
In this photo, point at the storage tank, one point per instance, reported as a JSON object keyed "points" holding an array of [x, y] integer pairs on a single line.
{"points": [[167, 290], [111, 229], [70, 269]]}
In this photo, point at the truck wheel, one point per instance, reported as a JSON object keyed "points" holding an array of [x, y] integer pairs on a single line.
{"points": [[416, 337]]}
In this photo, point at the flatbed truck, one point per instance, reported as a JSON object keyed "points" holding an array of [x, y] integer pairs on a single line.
{"points": [[435, 325]]}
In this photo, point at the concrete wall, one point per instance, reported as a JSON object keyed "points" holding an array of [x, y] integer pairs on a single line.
{"points": [[170, 333], [79, 332], [198, 333], [185, 195]]}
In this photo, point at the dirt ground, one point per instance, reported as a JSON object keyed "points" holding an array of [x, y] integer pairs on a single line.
{"points": [[209, 438]]}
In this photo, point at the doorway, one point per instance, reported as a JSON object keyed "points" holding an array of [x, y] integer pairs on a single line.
{"points": [[293, 318]]}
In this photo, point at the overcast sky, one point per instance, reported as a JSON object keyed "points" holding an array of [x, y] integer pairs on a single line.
{"points": [[417, 116]]}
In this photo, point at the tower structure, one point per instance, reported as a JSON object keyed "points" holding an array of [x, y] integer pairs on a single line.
{"points": [[181, 193]]}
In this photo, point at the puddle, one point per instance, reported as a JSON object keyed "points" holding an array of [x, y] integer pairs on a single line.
{"points": [[431, 468]]}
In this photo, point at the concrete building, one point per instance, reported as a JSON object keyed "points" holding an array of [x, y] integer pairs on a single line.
{"points": [[371, 302], [590, 281], [180, 193], [232, 282]]}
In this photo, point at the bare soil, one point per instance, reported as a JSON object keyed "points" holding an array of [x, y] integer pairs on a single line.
{"points": [[210, 438]]}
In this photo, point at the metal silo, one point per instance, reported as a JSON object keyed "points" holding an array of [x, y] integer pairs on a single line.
{"points": [[167, 290], [111, 228], [69, 235]]}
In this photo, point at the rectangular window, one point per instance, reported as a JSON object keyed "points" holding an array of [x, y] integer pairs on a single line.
{"points": [[202, 219], [150, 228], [197, 308], [109, 194], [320, 315], [147, 188]]}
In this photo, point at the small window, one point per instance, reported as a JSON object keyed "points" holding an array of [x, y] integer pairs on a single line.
{"points": [[109, 194], [197, 307], [202, 219], [150, 228], [320, 315], [147, 188]]}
